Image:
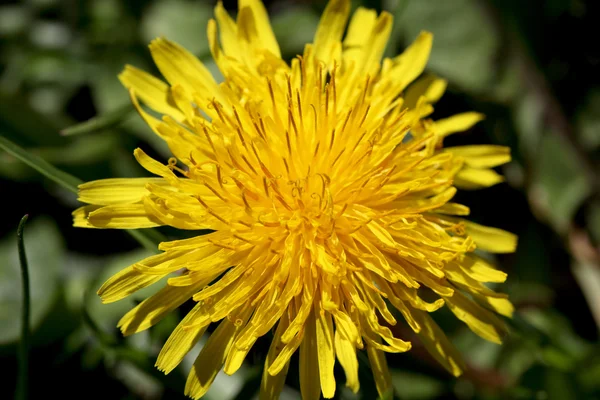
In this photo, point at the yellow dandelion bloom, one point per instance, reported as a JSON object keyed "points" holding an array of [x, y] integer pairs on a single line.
{"points": [[328, 193]]}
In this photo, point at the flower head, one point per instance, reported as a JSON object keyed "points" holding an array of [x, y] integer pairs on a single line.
{"points": [[328, 194]]}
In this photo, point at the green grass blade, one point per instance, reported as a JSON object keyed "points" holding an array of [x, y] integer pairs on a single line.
{"points": [[147, 238], [100, 122], [67, 181]]}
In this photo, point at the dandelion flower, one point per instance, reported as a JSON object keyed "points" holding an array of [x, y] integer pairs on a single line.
{"points": [[327, 191]]}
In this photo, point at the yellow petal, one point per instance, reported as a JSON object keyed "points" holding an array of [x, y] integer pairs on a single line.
{"points": [[362, 21], [475, 178], [366, 39], [479, 269], [154, 92], [310, 387], [130, 279], [181, 67], [326, 352], [193, 243], [491, 239], [80, 216], [228, 31], [152, 122], [266, 37], [429, 87], [499, 305], [424, 204], [373, 332], [154, 308], [411, 63], [124, 283], [330, 30], [271, 385], [122, 216], [211, 359], [378, 41], [482, 156], [411, 295], [116, 191], [465, 282], [282, 360], [153, 166], [456, 123], [180, 342], [119, 216], [184, 101], [381, 372], [453, 209], [346, 354], [480, 320], [437, 344], [399, 304]]}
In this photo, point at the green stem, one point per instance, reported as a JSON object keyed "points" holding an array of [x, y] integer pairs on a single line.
{"points": [[25, 332], [100, 122]]}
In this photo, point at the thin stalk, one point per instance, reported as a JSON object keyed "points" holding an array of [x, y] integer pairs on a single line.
{"points": [[25, 328]]}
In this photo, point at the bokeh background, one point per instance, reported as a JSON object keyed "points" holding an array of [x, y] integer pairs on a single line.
{"points": [[533, 67]]}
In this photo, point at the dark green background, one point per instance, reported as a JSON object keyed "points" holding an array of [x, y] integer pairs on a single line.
{"points": [[533, 67]]}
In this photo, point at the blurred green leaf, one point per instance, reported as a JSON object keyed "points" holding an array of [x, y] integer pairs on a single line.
{"points": [[293, 28], [137, 380], [50, 34], [14, 18], [107, 315], [588, 278], [560, 386], [593, 220], [558, 359], [413, 386], [109, 95], [480, 353], [588, 121], [516, 357], [251, 384], [465, 41], [85, 150], [45, 253], [107, 91], [589, 375], [556, 329], [528, 119], [110, 23], [559, 183], [100, 122], [19, 119], [181, 21], [530, 279], [528, 293]]}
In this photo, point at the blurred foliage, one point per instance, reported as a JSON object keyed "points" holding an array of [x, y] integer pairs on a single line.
{"points": [[532, 67]]}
